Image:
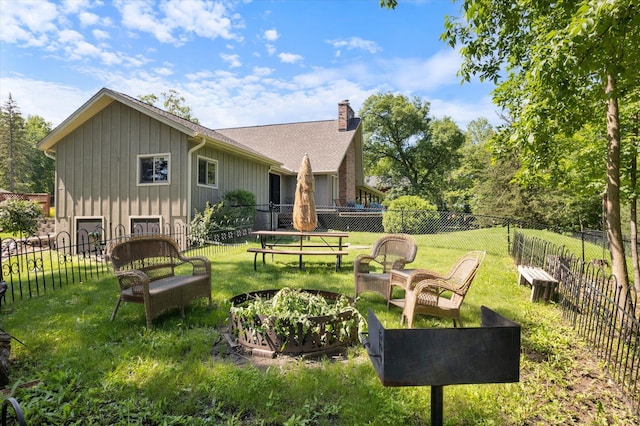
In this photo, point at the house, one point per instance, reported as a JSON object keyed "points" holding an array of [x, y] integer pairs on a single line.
{"points": [[121, 162]]}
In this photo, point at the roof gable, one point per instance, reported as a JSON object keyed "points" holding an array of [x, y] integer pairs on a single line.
{"points": [[106, 96]]}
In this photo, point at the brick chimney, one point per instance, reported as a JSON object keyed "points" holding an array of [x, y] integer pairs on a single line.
{"points": [[345, 114]]}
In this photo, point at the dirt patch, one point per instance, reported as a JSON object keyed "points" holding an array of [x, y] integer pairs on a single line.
{"points": [[224, 349], [585, 394]]}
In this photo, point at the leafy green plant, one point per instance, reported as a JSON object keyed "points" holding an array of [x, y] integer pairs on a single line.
{"points": [[291, 306], [235, 206], [20, 216], [409, 214]]}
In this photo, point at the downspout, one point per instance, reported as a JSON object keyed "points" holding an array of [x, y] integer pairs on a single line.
{"points": [[189, 176], [49, 154]]}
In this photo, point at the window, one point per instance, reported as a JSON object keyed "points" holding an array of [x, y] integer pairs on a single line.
{"points": [[153, 168], [145, 225], [207, 172]]}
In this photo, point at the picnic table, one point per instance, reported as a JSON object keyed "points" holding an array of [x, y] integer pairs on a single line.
{"points": [[305, 244]]}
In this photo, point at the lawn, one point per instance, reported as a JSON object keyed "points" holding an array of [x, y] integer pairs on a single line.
{"points": [[79, 368]]}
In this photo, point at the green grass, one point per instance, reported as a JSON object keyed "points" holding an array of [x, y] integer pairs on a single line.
{"points": [[93, 371]]}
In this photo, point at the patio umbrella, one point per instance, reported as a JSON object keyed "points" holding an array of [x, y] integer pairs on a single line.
{"points": [[305, 217]]}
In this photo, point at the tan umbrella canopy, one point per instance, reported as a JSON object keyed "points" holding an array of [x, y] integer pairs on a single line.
{"points": [[305, 217]]}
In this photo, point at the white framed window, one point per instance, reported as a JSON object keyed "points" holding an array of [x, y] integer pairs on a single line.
{"points": [[207, 172], [145, 225], [153, 169]]}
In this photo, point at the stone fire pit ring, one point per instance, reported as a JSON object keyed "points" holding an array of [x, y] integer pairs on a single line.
{"points": [[265, 342]]}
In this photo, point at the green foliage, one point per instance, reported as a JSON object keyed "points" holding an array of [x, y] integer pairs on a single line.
{"points": [[41, 168], [13, 148], [474, 168], [556, 65], [23, 168], [410, 152], [409, 214], [291, 306], [235, 206], [173, 102], [20, 216]]}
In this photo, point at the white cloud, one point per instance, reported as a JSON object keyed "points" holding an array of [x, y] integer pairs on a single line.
{"points": [[204, 19], [427, 74], [164, 71], [27, 21], [462, 112], [200, 75], [52, 101], [140, 16], [356, 43], [271, 35], [289, 58], [75, 6], [88, 19], [262, 71], [271, 49], [100, 34], [232, 60]]}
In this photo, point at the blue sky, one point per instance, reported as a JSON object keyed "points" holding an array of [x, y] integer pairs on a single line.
{"points": [[237, 63]]}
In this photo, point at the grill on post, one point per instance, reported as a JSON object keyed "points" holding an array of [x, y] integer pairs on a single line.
{"points": [[445, 356]]}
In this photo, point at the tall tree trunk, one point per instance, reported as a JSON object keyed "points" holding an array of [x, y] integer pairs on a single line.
{"points": [[614, 227], [634, 209]]}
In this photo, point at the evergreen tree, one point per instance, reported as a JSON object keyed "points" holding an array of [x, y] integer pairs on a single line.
{"points": [[13, 147]]}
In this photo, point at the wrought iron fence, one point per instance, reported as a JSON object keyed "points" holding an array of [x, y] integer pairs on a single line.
{"points": [[594, 303], [601, 310], [34, 265]]}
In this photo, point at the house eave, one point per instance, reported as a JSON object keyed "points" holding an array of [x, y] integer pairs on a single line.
{"points": [[235, 150], [97, 103]]}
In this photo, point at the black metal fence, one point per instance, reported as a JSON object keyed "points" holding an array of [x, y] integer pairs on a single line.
{"points": [[601, 310], [34, 265]]}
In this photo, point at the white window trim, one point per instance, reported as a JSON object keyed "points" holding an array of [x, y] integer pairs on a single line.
{"points": [[76, 219], [211, 160], [166, 155], [145, 216]]}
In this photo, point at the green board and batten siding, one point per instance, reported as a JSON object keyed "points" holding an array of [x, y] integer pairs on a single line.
{"points": [[97, 171]]}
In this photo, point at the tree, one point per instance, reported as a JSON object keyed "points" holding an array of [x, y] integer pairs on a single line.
{"points": [[173, 102], [41, 167], [475, 162], [564, 61], [13, 148], [20, 216], [409, 151], [410, 214]]}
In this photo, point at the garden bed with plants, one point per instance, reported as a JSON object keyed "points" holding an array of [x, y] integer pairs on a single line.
{"points": [[294, 322]]}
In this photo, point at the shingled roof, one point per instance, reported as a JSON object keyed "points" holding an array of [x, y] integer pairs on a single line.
{"points": [[288, 143], [283, 145]]}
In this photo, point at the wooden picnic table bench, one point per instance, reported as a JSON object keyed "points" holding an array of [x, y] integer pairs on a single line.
{"points": [[271, 242], [543, 286]]}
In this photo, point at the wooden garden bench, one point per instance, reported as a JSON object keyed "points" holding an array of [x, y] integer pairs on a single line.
{"points": [[543, 286]]}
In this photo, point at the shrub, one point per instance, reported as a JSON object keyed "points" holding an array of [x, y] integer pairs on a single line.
{"points": [[20, 216], [410, 214], [235, 206]]}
